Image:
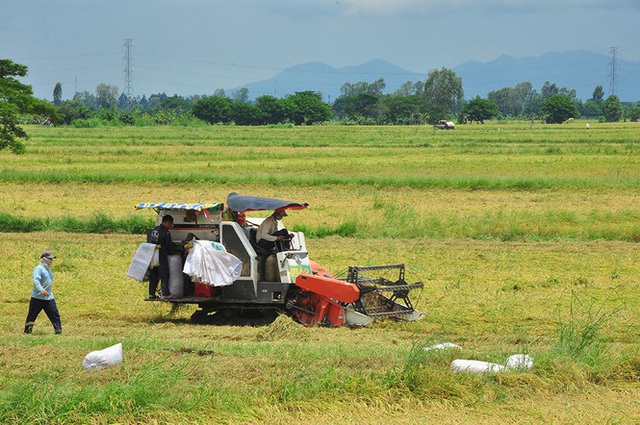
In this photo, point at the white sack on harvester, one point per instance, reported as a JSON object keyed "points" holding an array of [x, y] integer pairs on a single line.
{"points": [[145, 257], [209, 262]]}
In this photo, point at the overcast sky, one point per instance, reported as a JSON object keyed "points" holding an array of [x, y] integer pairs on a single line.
{"points": [[196, 46]]}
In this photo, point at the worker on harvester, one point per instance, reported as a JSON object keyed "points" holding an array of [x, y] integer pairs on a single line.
{"points": [[161, 236], [270, 237]]}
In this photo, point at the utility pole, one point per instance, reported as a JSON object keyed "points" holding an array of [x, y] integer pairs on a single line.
{"points": [[613, 66], [127, 60]]}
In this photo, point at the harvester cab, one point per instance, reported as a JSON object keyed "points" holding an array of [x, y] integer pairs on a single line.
{"points": [[282, 264], [219, 266]]}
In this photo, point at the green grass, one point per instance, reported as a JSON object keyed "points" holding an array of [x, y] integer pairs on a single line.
{"points": [[553, 225], [491, 157], [571, 306], [526, 241], [99, 223]]}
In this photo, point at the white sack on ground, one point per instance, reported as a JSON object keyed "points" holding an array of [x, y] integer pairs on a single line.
{"points": [[515, 363], [443, 346], [143, 258], [101, 359], [521, 362], [209, 263], [474, 366]]}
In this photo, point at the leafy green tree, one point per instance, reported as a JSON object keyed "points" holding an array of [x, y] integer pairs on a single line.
{"points": [[123, 101], [399, 109], [87, 99], [128, 116], [243, 113], [558, 108], [598, 94], [414, 109], [155, 99], [376, 88], [57, 94], [612, 109], [478, 109], [74, 109], [511, 101], [634, 112], [144, 102], [505, 101], [443, 89], [16, 99], [106, 95], [165, 116], [108, 114], [272, 109], [591, 109], [241, 95], [409, 89], [533, 108], [308, 108], [175, 103], [213, 109], [549, 90], [359, 106], [525, 92]]}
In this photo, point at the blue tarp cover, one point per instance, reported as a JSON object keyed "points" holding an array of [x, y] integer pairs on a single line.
{"points": [[253, 203]]}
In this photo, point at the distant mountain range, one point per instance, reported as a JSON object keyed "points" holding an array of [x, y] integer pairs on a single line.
{"points": [[579, 70], [317, 76]]}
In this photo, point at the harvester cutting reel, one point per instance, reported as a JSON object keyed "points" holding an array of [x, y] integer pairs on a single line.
{"points": [[382, 297], [356, 300]]}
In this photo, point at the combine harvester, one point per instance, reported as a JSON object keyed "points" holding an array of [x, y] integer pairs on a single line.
{"points": [[267, 283]]}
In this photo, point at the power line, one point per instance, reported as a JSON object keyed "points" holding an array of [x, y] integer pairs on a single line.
{"points": [[613, 66], [127, 48]]}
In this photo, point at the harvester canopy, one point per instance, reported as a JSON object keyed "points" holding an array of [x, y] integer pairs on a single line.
{"points": [[242, 203], [177, 206]]}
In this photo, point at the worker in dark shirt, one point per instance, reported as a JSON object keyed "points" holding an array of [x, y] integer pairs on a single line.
{"points": [[161, 236]]}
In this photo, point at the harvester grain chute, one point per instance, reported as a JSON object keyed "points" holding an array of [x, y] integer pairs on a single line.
{"points": [[269, 282]]}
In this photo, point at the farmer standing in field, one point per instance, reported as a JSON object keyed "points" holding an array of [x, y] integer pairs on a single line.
{"points": [[42, 295]]}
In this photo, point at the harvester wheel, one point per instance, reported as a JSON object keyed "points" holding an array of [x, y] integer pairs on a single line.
{"points": [[199, 317], [235, 317]]}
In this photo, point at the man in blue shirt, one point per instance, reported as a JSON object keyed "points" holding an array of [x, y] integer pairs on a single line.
{"points": [[42, 295]]}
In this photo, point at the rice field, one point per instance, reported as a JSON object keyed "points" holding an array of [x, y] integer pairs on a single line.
{"points": [[526, 239]]}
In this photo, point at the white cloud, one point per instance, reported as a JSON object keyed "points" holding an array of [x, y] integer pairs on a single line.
{"points": [[434, 7]]}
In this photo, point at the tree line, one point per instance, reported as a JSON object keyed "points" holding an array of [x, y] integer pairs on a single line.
{"points": [[440, 96]]}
